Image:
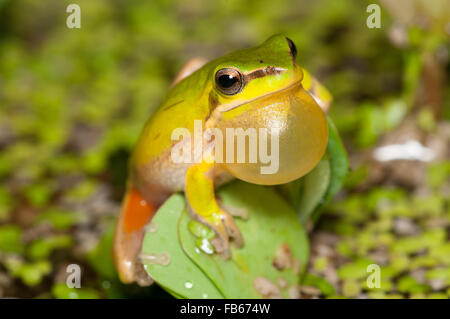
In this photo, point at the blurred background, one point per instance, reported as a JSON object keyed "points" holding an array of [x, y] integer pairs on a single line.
{"points": [[73, 101]]}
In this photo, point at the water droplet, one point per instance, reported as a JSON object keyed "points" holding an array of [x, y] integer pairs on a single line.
{"points": [[205, 245], [197, 250], [156, 259], [188, 284], [143, 203], [200, 230], [151, 227], [204, 296]]}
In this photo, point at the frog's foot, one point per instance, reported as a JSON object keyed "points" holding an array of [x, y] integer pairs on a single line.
{"points": [[199, 191], [136, 212], [226, 230], [141, 277]]}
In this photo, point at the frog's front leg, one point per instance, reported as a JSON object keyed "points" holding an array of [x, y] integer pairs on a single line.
{"points": [[199, 191]]}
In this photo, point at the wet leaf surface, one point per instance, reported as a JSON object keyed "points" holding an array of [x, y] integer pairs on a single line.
{"points": [[271, 231], [181, 276], [271, 224]]}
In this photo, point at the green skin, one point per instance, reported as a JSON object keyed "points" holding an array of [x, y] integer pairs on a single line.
{"points": [[271, 75]]}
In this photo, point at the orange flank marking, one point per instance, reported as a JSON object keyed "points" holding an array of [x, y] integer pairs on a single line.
{"points": [[137, 212]]}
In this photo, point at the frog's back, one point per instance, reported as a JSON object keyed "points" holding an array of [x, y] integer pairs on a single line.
{"points": [[183, 104]]}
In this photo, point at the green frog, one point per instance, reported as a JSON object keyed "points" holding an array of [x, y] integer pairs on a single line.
{"points": [[260, 88]]}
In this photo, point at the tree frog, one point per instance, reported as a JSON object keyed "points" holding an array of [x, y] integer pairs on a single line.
{"points": [[262, 88]]}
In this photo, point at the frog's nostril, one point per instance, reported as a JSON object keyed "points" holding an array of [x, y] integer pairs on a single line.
{"points": [[292, 48]]}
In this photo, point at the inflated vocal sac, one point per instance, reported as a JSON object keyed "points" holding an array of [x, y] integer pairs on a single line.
{"points": [[274, 139]]}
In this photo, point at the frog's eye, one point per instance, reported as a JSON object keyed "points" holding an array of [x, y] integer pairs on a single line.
{"points": [[229, 81]]}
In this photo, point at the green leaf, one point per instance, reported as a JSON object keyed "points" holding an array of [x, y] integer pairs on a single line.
{"points": [[181, 277], [438, 173], [306, 193], [355, 270], [39, 194], [324, 286], [315, 185], [43, 247], [408, 284], [440, 274], [10, 239], [100, 257], [58, 218], [338, 161], [338, 158], [271, 225], [309, 194], [61, 291], [31, 274], [185, 271]]}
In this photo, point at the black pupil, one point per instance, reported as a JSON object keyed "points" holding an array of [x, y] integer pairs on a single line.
{"points": [[227, 80]]}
